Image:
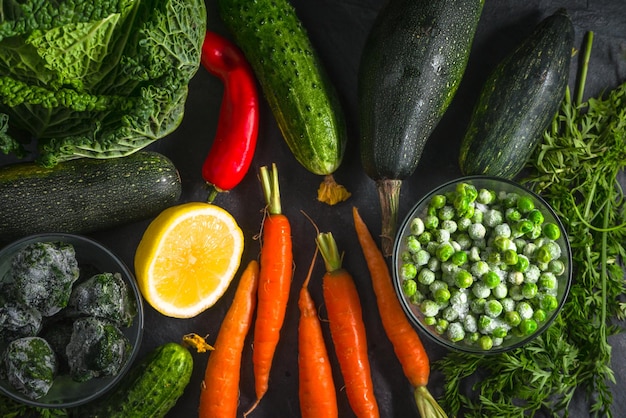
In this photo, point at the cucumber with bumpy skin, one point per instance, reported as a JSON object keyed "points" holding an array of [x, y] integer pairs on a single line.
{"points": [[150, 389], [299, 92], [85, 195]]}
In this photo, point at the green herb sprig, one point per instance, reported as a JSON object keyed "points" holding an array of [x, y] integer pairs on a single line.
{"points": [[576, 169]]}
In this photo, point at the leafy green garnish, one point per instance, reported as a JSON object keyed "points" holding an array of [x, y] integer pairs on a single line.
{"points": [[575, 168]]}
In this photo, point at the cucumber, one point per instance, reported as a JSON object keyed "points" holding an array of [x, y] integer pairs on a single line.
{"points": [[149, 390], [518, 101], [412, 64], [85, 195], [298, 90]]}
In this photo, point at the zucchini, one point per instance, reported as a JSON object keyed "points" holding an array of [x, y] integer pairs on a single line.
{"points": [[299, 92], [85, 195], [518, 101], [149, 390], [411, 66]]}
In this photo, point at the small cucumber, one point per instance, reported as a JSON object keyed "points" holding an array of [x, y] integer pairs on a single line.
{"points": [[85, 195], [149, 390], [518, 101], [298, 90]]}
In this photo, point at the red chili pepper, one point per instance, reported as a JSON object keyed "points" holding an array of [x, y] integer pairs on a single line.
{"points": [[235, 139]]}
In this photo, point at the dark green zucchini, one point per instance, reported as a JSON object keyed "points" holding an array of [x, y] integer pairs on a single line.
{"points": [[85, 195], [519, 101], [412, 64], [149, 390], [293, 79]]}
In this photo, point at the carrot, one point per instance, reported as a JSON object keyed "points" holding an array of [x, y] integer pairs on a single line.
{"points": [[406, 342], [219, 395], [347, 329], [275, 276], [317, 393]]}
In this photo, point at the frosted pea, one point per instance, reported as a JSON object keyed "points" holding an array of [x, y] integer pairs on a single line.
{"points": [[481, 290], [510, 257], [417, 298], [508, 304], [500, 291], [515, 277], [512, 318], [429, 307], [464, 241], [509, 199], [499, 333], [486, 196], [441, 235], [524, 226], [478, 216], [491, 279], [512, 214], [535, 216], [412, 244], [528, 326], [449, 225], [535, 232], [408, 271], [463, 279], [426, 276], [441, 325], [470, 324], [459, 258], [502, 230], [556, 267], [463, 223], [529, 290], [479, 268], [474, 254], [477, 231], [532, 273], [548, 302], [431, 247], [551, 230], [492, 218], [515, 292], [525, 310], [522, 263], [431, 222], [417, 226], [455, 332], [445, 213], [485, 342], [539, 315], [493, 308], [529, 250], [502, 243], [433, 264], [450, 314], [436, 285], [444, 251], [425, 237], [477, 306], [458, 298], [442, 295], [525, 204], [438, 201], [547, 280], [409, 288], [421, 257], [406, 256]]}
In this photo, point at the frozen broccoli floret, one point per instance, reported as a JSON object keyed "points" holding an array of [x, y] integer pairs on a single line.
{"points": [[96, 348], [29, 365], [43, 275], [18, 320], [105, 296]]}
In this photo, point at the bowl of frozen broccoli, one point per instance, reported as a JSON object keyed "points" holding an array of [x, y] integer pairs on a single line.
{"points": [[482, 265], [71, 320]]}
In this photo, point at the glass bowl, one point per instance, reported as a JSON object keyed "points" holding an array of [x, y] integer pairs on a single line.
{"points": [[445, 277], [92, 258]]}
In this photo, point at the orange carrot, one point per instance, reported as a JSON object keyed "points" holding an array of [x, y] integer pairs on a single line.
{"points": [[405, 340], [275, 276], [347, 329], [317, 393], [219, 396]]}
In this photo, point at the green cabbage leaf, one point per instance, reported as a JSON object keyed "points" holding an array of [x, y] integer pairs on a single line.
{"points": [[95, 78]]}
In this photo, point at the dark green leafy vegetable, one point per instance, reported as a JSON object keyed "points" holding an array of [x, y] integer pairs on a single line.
{"points": [[105, 296], [96, 348], [29, 365], [43, 275], [96, 79], [575, 168]]}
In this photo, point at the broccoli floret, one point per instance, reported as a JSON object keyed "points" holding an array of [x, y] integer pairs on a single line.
{"points": [[18, 320], [43, 275], [104, 295], [29, 365], [96, 348]]}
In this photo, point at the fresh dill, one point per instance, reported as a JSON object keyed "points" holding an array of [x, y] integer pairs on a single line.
{"points": [[576, 169]]}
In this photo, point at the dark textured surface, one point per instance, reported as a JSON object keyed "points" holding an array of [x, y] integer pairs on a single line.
{"points": [[338, 29]]}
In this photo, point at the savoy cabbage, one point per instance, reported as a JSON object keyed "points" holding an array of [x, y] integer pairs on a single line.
{"points": [[95, 78]]}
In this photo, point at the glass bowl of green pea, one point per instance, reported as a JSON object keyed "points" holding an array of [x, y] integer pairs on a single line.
{"points": [[71, 320], [482, 265]]}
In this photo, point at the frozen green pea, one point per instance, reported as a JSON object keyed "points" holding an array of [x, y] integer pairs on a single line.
{"points": [[502, 243], [450, 314], [409, 287], [474, 254], [510, 257], [449, 225], [408, 271], [444, 251], [442, 295], [515, 278], [502, 230], [459, 258], [431, 222], [463, 279], [512, 318], [426, 276], [557, 267], [532, 273], [463, 223], [446, 213], [525, 310], [493, 308], [508, 304], [441, 325], [515, 292], [433, 264], [481, 290], [478, 216], [535, 216], [551, 230], [432, 246], [477, 306], [494, 258], [492, 218], [486, 324], [470, 324], [430, 320], [524, 226], [522, 263], [463, 240], [477, 231], [548, 302], [472, 337], [512, 215], [438, 201], [534, 233], [417, 226], [479, 269], [528, 326], [412, 244], [417, 298], [525, 204], [529, 290], [539, 315], [425, 237], [543, 254], [491, 279], [441, 235], [509, 199], [529, 250], [458, 298], [421, 257], [486, 196], [500, 332], [429, 307], [455, 332], [406, 256], [500, 291], [436, 285]]}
